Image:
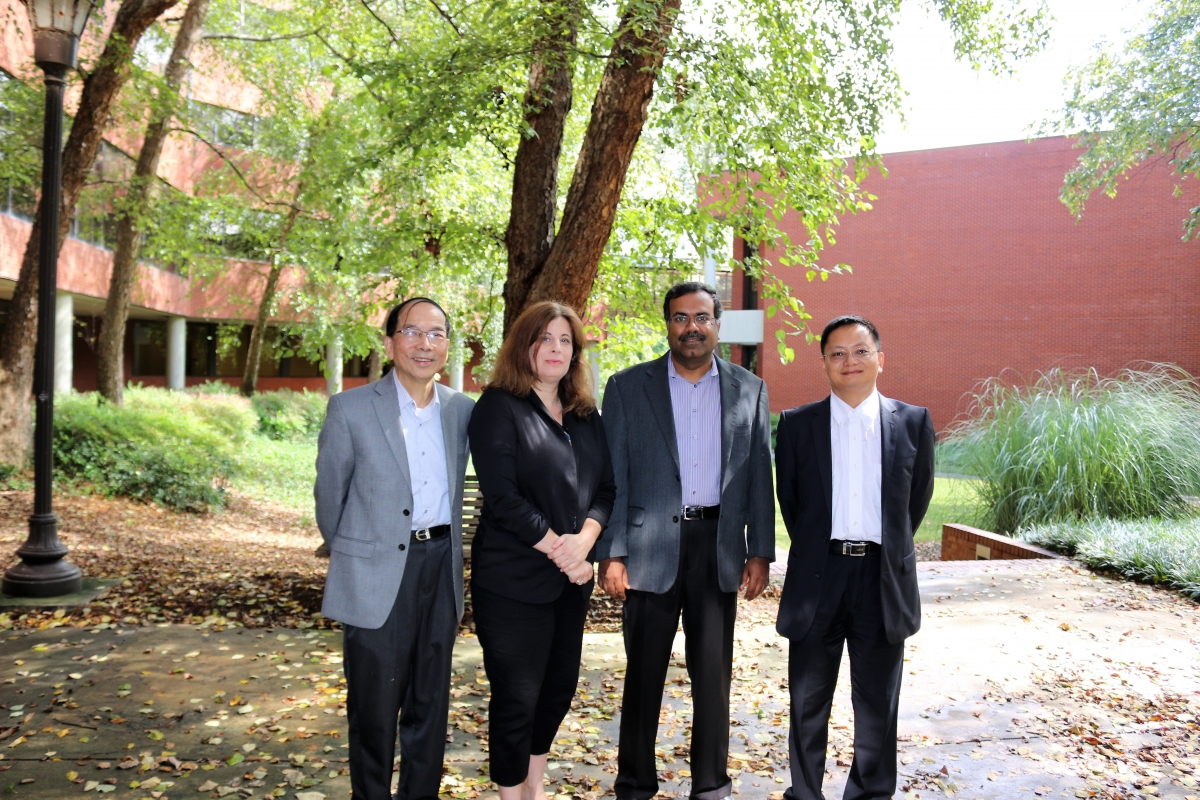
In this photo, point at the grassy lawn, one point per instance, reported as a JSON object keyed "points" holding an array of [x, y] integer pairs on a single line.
{"points": [[279, 471], [953, 501]]}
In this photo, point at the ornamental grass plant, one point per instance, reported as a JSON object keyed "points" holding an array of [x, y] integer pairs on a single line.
{"points": [[1076, 446]]}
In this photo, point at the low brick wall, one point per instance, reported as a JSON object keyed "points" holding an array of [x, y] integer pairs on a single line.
{"points": [[964, 543]]}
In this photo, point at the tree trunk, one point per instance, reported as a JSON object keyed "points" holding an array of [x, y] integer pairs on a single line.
{"points": [[259, 333], [530, 233], [618, 116], [20, 328], [110, 349], [374, 366]]}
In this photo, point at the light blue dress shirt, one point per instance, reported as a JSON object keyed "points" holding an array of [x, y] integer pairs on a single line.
{"points": [[697, 411], [422, 429]]}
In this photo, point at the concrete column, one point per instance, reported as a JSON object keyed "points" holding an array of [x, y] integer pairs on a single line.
{"points": [[455, 367], [176, 352], [333, 366], [64, 346], [710, 270]]}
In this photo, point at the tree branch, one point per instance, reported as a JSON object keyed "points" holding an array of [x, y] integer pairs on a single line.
{"points": [[281, 37], [381, 21], [447, 17], [236, 170], [345, 60]]}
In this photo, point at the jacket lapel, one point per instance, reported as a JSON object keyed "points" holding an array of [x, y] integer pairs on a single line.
{"points": [[824, 450], [731, 387], [387, 411], [449, 437], [887, 435], [659, 393]]}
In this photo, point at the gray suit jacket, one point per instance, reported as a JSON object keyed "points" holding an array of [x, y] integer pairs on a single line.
{"points": [[364, 498], [645, 521]]}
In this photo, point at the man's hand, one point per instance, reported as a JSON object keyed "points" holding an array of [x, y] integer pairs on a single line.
{"points": [[754, 577], [614, 580]]}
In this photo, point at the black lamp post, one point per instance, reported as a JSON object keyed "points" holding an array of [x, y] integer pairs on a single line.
{"points": [[42, 572]]}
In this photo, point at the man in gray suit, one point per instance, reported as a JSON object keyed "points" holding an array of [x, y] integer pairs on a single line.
{"points": [[694, 521], [390, 465]]}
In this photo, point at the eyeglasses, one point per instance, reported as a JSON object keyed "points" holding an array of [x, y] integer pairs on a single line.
{"points": [[435, 338], [861, 354], [701, 320]]}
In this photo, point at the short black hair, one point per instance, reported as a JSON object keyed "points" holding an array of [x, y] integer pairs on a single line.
{"points": [[690, 287], [845, 321], [393, 318]]}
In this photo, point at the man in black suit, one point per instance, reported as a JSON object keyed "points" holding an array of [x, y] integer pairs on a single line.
{"points": [[855, 477]]}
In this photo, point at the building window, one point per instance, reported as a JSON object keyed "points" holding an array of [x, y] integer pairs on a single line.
{"points": [[149, 348]]}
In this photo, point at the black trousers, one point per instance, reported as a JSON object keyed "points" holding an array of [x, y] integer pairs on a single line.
{"points": [[531, 653], [403, 668], [849, 611], [649, 625]]}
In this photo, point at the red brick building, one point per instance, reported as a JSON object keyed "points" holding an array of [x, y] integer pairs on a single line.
{"points": [[969, 265]]}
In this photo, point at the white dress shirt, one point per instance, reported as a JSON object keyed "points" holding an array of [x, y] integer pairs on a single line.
{"points": [[422, 429], [857, 466]]}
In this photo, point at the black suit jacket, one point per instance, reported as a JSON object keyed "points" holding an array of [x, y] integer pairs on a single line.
{"points": [[535, 475], [804, 467]]}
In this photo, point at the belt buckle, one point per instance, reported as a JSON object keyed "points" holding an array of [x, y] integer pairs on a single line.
{"points": [[422, 535], [692, 512], [854, 548]]}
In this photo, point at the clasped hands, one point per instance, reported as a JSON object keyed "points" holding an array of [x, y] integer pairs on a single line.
{"points": [[569, 552]]}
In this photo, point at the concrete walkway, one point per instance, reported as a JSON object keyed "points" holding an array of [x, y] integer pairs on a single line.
{"points": [[1029, 678]]}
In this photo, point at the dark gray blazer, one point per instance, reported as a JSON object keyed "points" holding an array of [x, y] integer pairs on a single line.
{"points": [[644, 526], [804, 460], [364, 498]]}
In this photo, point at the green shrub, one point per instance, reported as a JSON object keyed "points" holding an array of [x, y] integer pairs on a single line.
{"points": [[1156, 551], [229, 415], [1076, 447], [152, 449], [290, 415]]}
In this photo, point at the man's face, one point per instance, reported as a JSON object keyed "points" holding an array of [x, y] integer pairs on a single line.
{"points": [[852, 362], [692, 328], [410, 350]]}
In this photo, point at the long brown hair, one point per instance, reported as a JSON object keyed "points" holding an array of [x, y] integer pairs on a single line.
{"points": [[514, 369]]}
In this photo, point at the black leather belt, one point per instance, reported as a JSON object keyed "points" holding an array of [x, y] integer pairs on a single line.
{"points": [[436, 532], [840, 547], [701, 512]]}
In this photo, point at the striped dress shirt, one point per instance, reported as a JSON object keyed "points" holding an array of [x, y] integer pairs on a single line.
{"points": [[697, 411]]}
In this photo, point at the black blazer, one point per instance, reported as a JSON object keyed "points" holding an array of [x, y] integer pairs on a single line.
{"points": [[535, 475], [804, 465]]}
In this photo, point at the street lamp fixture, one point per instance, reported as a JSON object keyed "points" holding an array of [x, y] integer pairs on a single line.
{"points": [[42, 572]]}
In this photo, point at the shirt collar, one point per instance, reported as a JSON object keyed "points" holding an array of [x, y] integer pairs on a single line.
{"points": [[406, 400], [841, 411], [671, 372]]}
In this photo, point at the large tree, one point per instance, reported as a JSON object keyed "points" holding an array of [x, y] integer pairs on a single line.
{"points": [[135, 207], [779, 100], [1137, 103], [101, 86]]}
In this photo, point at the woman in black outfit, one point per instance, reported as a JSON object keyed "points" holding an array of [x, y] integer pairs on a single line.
{"points": [[539, 449]]}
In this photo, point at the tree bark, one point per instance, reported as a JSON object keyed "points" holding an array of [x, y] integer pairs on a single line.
{"points": [[110, 349], [19, 336], [259, 333], [374, 366], [618, 116], [530, 233]]}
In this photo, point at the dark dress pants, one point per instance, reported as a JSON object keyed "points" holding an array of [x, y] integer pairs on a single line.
{"points": [[649, 625], [531, 653], [849, 610], [403, 668]]}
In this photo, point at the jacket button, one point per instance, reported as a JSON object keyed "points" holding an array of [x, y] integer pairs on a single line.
{"points": [[406, 512], [401, 547], [674, 519], [818, 574]]}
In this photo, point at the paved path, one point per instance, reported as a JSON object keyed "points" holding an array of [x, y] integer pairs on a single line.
{"points": [[1027, 679]]}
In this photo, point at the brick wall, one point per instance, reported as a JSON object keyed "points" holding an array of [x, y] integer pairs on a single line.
{"points": [[964, 543], [969, 265]]}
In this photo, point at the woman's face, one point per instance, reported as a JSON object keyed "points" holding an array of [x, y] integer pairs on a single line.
{"points": [[552, 354]]}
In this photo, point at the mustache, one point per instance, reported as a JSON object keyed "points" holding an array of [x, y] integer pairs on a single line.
{"points": [[693, 337]]}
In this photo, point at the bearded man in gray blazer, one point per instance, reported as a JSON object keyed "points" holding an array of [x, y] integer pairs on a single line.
{"points": [[390, 465], [693, 521]]}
